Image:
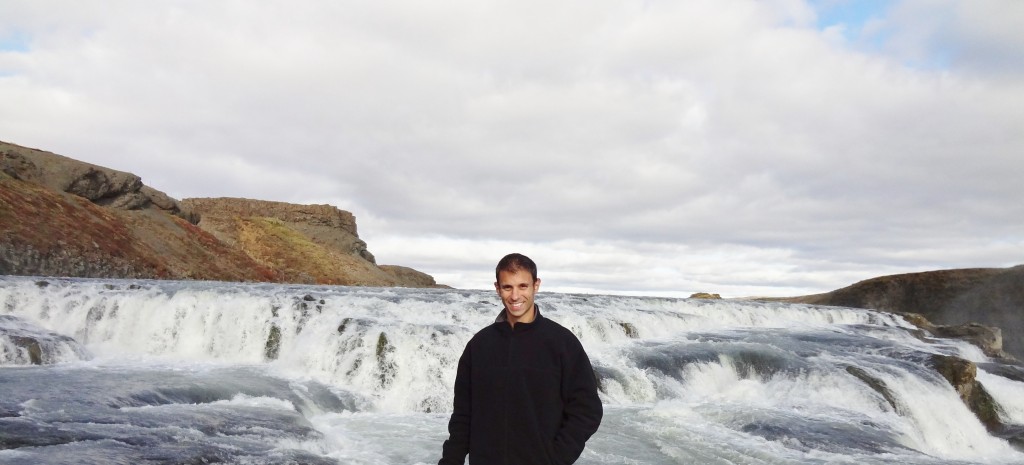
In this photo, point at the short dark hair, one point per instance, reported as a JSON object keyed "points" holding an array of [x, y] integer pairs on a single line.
{"points": [[514, 262]]}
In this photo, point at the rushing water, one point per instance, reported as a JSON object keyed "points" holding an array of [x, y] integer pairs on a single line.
{"points": [[141, 372]]}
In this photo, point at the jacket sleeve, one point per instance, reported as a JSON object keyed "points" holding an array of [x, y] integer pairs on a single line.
{"points": [[454, 450], [582, 410]]}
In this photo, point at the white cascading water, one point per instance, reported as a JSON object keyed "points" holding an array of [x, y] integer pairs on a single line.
{"points": [[350, 370]]}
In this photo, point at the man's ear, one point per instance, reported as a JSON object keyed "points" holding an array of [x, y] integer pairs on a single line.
{"points": [[536, 284], [496, 286]]}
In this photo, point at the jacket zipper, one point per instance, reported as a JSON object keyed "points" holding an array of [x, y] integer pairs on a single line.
{"points": [[508, 371]]}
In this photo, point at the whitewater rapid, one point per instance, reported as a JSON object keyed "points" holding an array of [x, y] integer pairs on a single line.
{"points": [[181, 372]]}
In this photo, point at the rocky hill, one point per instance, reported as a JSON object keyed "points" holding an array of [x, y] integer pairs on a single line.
{"points": [[63, 217], [989, 296], [306, 243]]}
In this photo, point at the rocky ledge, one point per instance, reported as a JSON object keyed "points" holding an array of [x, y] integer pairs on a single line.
{"points": [[990, 297], [63, 217], [102, 186]]}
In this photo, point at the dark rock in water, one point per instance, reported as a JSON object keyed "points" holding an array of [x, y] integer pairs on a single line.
{"points": [[1014, 434], [1006, 370], [273, 346], [878, 386], [35, 352], [705, 295], [961, 375], [989, 339], [22, 343], [386, 367], [630, 330]]}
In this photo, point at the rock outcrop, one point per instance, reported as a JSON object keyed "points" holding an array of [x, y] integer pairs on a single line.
{"points": [[102, 186], [323, 224], [961, 375], [315, 244], [62, 217], [987, 296], [988, 338]]}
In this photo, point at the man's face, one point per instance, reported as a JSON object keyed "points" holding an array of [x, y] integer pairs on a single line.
{"points": [[516, 290]]}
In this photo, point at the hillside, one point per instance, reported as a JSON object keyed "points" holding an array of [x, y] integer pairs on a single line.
{"points": [[990, 296], [63, 217]]}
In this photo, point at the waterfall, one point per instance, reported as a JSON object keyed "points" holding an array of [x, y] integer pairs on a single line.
{"points": [[683, 380]]}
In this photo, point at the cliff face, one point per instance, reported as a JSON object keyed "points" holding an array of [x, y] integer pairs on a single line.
{"points": [[323, 224], [990, 296], [61, 217], [307, 243]]}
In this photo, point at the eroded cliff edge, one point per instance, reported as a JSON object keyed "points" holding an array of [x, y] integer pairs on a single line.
{"points": [[64, 217], [989, 296]]}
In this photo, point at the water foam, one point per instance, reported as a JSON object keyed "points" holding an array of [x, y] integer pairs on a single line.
{"points": [[682, 380]]}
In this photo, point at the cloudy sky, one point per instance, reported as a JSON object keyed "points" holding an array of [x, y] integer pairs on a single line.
{"points": [[659, 147]]}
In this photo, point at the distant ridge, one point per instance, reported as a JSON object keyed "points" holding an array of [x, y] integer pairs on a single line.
{"points": [[64, 217], [990, 296]]}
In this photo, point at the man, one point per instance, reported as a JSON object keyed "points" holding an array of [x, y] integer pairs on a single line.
{"points": [[525, 391]]}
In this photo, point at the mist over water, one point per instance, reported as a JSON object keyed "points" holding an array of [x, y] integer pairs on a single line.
{"points": [[187, 372]]}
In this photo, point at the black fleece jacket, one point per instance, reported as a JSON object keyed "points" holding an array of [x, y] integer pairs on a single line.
{"points": [[523, 395]]}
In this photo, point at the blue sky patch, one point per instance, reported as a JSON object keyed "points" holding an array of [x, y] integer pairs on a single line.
{"points": [[14, 42], [853, 14]]}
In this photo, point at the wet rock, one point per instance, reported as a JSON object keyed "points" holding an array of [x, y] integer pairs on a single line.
{"points": [[1006, 370], [273, 347], [961, 375], [1014, 434], [30, 344], [386, 368], [987, 338], [630, 330], [383, 346], [878, 386]]}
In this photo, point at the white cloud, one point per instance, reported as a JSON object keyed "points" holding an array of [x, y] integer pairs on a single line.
{"points": [[648, 147]]}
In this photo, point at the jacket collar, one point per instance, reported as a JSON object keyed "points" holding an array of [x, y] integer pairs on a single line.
{"points": [[503, 318]]}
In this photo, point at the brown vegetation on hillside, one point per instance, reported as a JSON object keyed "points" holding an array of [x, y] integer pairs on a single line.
{"points": [[62, 217]]}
